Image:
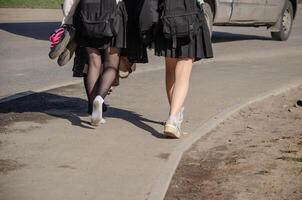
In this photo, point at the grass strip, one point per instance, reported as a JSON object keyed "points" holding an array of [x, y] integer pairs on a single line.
{"points": [[31, 3]]}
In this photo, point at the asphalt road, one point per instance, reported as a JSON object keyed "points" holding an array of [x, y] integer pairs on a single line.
{"points": [[25, 66]]}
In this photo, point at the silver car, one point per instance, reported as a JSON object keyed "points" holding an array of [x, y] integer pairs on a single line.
{"points": [[276, 15]]}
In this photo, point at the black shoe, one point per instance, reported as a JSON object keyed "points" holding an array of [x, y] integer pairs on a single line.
{"points": [[105, 107]]}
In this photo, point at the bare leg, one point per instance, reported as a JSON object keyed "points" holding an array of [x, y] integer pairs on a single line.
{"points": [[178, 73], [170, 77], [181, 86]]}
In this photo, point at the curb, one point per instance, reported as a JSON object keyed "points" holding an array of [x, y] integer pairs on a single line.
{"points": [[161, 186]]}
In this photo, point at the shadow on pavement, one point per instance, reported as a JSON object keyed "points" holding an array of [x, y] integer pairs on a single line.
{"points": [[40, 107], [134, 118], [35, 30], [219, 37]]}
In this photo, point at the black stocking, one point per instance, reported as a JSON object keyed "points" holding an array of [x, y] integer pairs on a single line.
{"points": [[87, 93], [111, 62], [94, 72]]}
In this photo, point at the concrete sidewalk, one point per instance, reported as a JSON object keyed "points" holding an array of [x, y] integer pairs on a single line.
{"points": [[61, 157], [49, 150]]}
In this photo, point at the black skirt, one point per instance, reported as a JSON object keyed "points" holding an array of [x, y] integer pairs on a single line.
{"points": [[119, 41], [197, 48]]}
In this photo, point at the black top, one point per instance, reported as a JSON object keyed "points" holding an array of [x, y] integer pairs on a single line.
{"points": [[135, 49]]}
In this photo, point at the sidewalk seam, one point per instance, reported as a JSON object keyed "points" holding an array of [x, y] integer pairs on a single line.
{"points": [[64, 84]]}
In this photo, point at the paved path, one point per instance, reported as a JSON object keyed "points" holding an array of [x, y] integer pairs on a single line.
{"points": [[57, 155]]}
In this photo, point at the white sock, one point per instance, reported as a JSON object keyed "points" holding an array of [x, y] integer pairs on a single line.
{"points": [[97, 113], [172, 118], [100, 99]]}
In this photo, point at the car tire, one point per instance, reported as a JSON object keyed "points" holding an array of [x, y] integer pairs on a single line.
{"points": [[209, 15], [285, 23]]}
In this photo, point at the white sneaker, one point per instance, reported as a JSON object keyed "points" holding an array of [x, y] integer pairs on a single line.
{"points": [[172, 129], [173, 125], [97, 112], [181, 115]]}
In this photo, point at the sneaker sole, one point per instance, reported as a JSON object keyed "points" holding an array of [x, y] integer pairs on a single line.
{"points": [[172, 132], [67, 54]]}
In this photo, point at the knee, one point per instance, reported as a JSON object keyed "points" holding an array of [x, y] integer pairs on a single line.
{"points": [[111, 68], [94, 61]]}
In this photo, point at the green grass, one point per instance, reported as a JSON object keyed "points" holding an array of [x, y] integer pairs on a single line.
{"points": [[30, 3]]}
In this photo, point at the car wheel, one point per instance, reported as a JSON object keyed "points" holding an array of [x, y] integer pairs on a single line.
{"points": [[285, 23], [208, 12]]}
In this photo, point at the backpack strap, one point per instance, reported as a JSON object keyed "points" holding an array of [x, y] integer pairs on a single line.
{"points": [[112, 29], [174, 36], [174, 42], [125, 20], [191, 43]]}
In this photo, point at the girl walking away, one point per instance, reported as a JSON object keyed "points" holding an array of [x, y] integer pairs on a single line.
{"points": [[71, 20], [102, 32], [135, 52], [183, 38]]}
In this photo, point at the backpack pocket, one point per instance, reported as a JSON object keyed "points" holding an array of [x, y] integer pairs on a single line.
{"points": [[181, 25], [99, 18], [117, 19], [97, 28]]}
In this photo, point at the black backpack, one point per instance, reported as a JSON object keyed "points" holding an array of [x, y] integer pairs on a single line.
{"points": [[181, 19], [100, 18]]}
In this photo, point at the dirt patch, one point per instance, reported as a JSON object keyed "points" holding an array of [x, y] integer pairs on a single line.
{"points": [[164, 156], [66, 167], [9, 165], [256, 154], [8, 119]]}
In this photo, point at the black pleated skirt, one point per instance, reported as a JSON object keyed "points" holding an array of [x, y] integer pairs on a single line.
{"points": [[118, 41], [197, 48]]}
